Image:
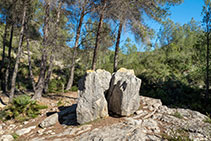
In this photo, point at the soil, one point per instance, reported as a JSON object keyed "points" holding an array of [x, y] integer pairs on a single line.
{"points": [[55, 102]]}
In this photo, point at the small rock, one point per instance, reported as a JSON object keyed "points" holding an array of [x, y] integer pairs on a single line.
{"points": [[50, 121], [24, 130], [151, 125], [132, 121], [139, 112], [2, 105], [12, 126], [25, 122], [41, 131], [1, 130], [49, 132], [52, 104], [6, 138], [151, 108]]}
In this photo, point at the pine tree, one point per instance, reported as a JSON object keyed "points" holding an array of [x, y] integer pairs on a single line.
{"points": [[23, 24], [207, 24]]}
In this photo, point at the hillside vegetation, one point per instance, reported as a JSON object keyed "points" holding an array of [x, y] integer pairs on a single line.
{"points": [[47, 46]]}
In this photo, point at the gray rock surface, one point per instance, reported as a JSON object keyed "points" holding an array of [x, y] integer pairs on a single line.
{"points": [[50, 121], [131, 130], [24, 130], [153, 125], [123, 96], [6, 138], [153, 121], [91, 102], [1, 130]]}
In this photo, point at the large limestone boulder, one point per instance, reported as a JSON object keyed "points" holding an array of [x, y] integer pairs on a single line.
{"points": [[123, 96], [91, 102]]}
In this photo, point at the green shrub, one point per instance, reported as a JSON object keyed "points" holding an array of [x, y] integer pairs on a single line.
{"points": [[208, 119], [74, 88], [178, 135], [56, 85], [176, 138], [22, 108], [177, 115], [59, 103], [15, 136]]}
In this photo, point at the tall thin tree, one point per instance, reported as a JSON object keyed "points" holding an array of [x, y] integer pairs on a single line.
{"points": [[52, 57], [83, 12], [100, 25], [41, 80], [207, 22], [15, 72]]}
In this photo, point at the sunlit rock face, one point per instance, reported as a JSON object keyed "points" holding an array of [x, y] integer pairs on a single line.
{"points": [[123, 96], [91, 102]]}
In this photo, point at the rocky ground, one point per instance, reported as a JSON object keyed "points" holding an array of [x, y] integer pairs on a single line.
{"points": [[153, 121]]}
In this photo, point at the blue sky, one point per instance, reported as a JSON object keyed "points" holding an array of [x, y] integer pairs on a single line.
{"points": [[181, 14], [184, 12]]}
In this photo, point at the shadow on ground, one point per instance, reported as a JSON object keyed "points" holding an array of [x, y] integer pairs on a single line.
{"points": [[67, 115]]}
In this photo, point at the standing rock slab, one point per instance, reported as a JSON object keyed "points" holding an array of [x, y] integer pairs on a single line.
{"points": [[91, 102], [123, 96]]}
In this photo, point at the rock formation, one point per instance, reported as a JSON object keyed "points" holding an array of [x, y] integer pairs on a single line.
{"points": [[91, 102], [123, 96], [154, 122]]}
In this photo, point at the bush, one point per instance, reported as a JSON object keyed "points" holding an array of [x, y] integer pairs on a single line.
{"points": [[22, 108], [178, 135], [56, 85], [74, 88], [177, 115], [208, 119]]}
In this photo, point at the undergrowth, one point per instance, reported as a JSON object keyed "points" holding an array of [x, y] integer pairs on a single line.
{"points": [[22, 108], [178, 135], [177, 115], [208, 119]]}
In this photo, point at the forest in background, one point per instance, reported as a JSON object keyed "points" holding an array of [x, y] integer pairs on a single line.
{"points": [[47, 46]]}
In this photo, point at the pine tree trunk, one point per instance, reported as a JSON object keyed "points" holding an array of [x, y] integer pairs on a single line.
{"points": [[8, 69], [3, 58], [71, 78], [15, 72], [207, 67], [4, 46], [117, 47], [78, 32], [50, 69], [40, 84], [100, 25], [30, 67], [41, 80]]}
